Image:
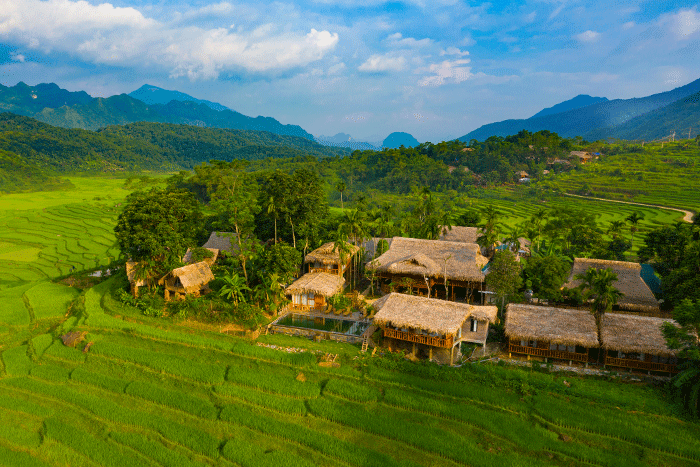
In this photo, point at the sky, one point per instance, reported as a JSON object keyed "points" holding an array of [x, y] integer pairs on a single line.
{"points": [[434, 68]]}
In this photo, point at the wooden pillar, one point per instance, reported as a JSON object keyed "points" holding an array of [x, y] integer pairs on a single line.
{"points": [[414, 349], [430, 353], [452, 355]]}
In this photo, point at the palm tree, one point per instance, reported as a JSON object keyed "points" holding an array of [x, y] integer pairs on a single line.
{"points": [[634, 220], [615, 228], [341, 245], [353, 226], [598, 285], [513, 239], [537, 220], [340, 186], [272, 209], [233, 288]]}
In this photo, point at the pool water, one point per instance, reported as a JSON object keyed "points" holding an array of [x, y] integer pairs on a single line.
{"points": [[342, 326]]}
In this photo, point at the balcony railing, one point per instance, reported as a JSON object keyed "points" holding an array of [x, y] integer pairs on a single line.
{"points": [[300, 307], [418, 338], [640, 365], [327, 271], [559, 354]]}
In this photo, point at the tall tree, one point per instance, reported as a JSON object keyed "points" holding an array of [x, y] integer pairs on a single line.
{"points": [[597, 287], [340, 186], [684, 338], [634, 219], [503, 276]]}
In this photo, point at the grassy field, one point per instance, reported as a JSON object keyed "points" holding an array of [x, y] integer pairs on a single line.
{"points": [[156, 392]]}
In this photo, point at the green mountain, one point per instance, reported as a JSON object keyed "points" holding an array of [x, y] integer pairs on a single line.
{"points": [[398, 139], [581, 121], [582, 100], [682, 117], [154, 95], [50, 104], [35, 152]]}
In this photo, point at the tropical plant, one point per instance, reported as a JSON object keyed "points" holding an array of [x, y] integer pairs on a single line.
{"points": [[233, 288], [340, 186], [684, 338], [634, 220]]}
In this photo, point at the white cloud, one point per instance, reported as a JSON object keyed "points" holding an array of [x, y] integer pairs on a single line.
{"points": [[336, 69], [629, 25], [454, 51], [529, 18], [588, 36], [685, 23], [383, 63], [397, 40], [447, 72], [124, 36], [17, 57]]}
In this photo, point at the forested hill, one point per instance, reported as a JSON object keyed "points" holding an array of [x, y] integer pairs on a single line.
{"points": [[579, 122], [32, 148], [55, 106], [682, 116]]}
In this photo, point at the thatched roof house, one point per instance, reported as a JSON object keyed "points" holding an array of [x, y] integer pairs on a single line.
{"points": [[634, 334], [190, 279], [460, 234], [431, 258], [552, 325], [402, 311], [210, 260], [637, 295], [225, 242], [320, 283], [327, 255], [131, 267]]}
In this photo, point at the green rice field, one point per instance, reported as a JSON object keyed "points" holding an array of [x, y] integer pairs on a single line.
{"points": [[155, 392]]}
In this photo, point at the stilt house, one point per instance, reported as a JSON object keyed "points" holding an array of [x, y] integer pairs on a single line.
{"points": [[187, 280], [429, 327], [311, 291], [432, 268], [636, 342], [131, 273], [327, 259], [548, 332], [637, 295]]}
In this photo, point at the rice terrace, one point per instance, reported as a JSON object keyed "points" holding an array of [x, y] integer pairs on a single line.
{"points": [[165, 392]]}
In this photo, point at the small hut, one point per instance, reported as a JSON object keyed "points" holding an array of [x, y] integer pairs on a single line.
{"points": [[431, 268], [327, 259], [636, 297], [583, 156], [131, 273], [431, 327], [311, 290], [548, 332], [636, 342], [222, 241], [187, 259], [187, 280]]}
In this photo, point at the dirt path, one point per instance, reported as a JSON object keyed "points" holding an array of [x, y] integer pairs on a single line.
{"points": [[687, 215]]}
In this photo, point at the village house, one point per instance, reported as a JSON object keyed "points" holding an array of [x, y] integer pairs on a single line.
{"points": [[636, 342], [432, 268], [637, 296], [326, 258], [583, 156], [224, 242], [547, 332], [192, 279], [311, 291], [431, 328], [189, 256], [132, 271]]}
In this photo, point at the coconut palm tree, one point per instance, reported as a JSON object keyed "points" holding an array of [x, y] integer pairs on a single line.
{"points": [[634, 220], [273, 209], [341, 245], [597, 284], [615, 228], [340, 186]]}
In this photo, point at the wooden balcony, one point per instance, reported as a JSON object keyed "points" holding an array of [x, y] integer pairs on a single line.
{"points": [[418, 338], [640, 365], [558, 354], [334, 271], [305, 308]]}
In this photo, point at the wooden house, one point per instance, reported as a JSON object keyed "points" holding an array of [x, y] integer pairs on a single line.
{"points": [[187, 280], [637, 297], [547, 332], [188, 259], [131, 273], [224, 242], [636, 342], [583, 156], [432, 268], [429, 327], [327, 259], [311, 291]]}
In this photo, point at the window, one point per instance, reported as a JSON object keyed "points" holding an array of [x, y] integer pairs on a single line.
{"points": [[303, 299], [474, 325]]}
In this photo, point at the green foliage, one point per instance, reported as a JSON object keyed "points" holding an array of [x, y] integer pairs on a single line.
{"points": [[279, 403], [109, 383], [176, 399], [50, 372], [280, 383], [504, 275], [685, 339], [41, 343], [50, 300], [545, 275], [152, 449], [16, 361], [353, 391]]}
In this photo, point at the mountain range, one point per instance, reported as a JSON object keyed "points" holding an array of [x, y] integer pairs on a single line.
{"points": [[604, 119]]}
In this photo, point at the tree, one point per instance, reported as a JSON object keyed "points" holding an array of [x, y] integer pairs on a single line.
{"points": [[233, 288], [634, 220], [545, 275], [597, 288], [353, 225], [615, 228], [159, 226], [272, 209], [340, 186], [503, 276], [280, 259], [341, 245], [684, 338]]}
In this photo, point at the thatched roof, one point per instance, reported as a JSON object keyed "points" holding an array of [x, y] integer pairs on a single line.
{"points": [[633, 333], [432, 258], [556, 325], [131, 274], [429, 314], [637, 295], [222, 241], [320, 283], [192, 277], [325, 254], [188, 256], [459, 234]]}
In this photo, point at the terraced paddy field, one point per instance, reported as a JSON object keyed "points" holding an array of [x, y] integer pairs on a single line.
{"points": [[156, 394]]}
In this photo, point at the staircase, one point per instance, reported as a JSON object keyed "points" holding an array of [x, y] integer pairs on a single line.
{"points": [[366, 337]]}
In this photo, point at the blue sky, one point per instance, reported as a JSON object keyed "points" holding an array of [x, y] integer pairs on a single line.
{"points": [[434, 68]]}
